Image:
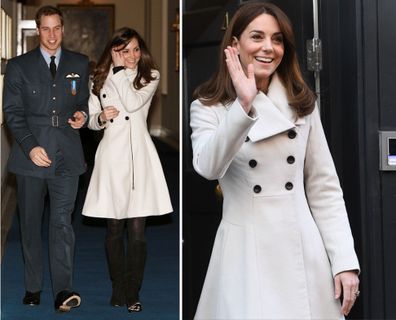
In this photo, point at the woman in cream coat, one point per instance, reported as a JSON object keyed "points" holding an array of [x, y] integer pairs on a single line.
{"points": [[127, 182], [284, 248]]}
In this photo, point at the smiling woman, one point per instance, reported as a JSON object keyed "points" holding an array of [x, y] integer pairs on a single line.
{"points": [[284, 248], [261, 44], [127, 56], [127, 183]]}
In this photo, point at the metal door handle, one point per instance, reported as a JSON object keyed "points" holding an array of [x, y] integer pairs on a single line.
{"points": [[225, 22]]}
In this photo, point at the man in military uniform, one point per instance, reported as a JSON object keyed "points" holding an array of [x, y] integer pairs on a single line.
{"points": [[45, 103]]}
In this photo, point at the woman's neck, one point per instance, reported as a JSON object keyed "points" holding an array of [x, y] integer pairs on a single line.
{"points": [[263, 85]]}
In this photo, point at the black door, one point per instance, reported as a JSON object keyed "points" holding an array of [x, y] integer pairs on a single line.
{"points": [[358, 99], [204, 23]]}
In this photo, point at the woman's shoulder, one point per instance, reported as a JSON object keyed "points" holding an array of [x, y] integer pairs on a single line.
{"points": [[198, 107], [200, 103]]}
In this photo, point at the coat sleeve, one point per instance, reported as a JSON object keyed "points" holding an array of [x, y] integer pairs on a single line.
{"points": [[131, 98], [216, 139], [326, 200], [94, 112], [14, 109]]}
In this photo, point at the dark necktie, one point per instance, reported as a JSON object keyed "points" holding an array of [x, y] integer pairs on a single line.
{"points": [[53, 66]]}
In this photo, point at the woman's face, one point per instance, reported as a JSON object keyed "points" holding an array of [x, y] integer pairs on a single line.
{"points": [[261, 44], [131, 54]]}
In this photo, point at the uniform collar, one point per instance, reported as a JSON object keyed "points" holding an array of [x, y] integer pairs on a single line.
{"points": [[47, 56]]}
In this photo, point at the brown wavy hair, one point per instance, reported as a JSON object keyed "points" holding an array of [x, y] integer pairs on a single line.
{"points": [[219, 89], [146, 64]]}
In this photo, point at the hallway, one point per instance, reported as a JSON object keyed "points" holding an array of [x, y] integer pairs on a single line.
{"points": [[160, 291]]}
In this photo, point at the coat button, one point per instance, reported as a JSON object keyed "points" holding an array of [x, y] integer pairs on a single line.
{"points": [[111, 120], [126, 118], [257, 189], [252, 163], [104, 95], [292, 134], [247, 139], [289, 186], [290, 159]]}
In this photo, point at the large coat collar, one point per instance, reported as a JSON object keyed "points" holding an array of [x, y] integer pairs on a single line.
{"points": [[274, 113]]}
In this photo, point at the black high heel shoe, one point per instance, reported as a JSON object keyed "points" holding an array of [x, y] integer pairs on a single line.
{"points": [[136, 307]]}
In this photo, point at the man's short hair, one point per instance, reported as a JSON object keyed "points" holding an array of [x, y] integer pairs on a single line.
{"points": [[47, 11]]}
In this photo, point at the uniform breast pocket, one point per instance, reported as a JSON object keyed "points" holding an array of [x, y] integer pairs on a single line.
{"points": [[33, 94], [72, 87], [32, 91]]}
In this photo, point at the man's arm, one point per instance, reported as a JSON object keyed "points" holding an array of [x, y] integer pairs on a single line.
{"points": [[82, 114], [14, 109]]}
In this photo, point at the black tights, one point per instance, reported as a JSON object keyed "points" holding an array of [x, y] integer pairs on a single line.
{"points": [[135, 229], [126, 267]]}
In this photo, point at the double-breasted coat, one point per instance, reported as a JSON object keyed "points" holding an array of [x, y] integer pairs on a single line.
{"points": [[284, 233], [37, 108], [127, 180]]}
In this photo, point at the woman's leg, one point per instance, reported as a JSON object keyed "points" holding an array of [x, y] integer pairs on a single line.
{"points": [[116, 260], [136, 259]]}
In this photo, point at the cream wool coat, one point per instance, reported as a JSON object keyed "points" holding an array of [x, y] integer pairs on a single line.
{"points": [[285, 233], [127, 180]]}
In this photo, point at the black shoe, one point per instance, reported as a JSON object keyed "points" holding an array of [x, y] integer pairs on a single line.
{"points": [[32, 298], [65, 300], [115, 302], [136, 307], [118, 295]]}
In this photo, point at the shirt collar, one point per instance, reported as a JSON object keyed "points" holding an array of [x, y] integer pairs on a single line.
{"points": [[47, 56]]}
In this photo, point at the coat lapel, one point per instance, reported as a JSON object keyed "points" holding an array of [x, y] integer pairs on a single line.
{"points": [[275, 114], [44, 72], [62, 63]]}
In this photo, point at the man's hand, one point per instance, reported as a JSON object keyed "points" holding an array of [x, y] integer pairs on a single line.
{"points": [[78, 121], [39, 157]]}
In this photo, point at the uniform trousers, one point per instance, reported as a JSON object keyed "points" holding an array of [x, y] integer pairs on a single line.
{"points": [[62, 191]]}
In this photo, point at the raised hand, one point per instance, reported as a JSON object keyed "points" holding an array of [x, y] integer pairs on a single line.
{"points": [[244, 83], [117, 57]]}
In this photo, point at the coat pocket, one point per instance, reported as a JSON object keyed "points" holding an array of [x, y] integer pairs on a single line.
{"points": [[33, 96]]}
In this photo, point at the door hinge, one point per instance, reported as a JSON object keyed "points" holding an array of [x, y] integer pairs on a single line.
{"points": [[314, 54]]}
